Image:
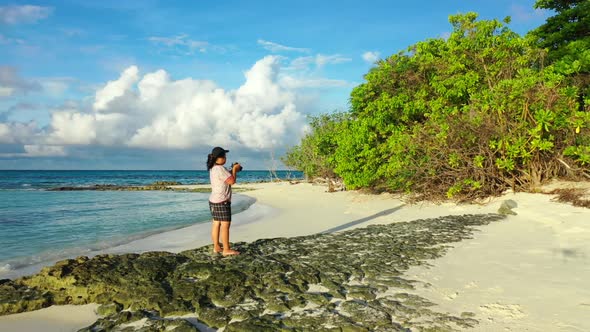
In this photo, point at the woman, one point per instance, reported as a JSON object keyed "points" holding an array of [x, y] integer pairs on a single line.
{"points": [[220, 199]]}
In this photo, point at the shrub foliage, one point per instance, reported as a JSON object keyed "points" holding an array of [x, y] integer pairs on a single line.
{"points": [[459, 118]]}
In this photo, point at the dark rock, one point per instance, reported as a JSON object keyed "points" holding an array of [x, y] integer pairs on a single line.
{"points": [[109, 309], [158, 185], [507, 206], [264, 289], [149, 322]]}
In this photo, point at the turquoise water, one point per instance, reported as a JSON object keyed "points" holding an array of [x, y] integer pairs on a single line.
{"points": [[37, 225], [28, 180]]}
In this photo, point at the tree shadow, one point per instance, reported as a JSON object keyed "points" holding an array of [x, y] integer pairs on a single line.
{"points": [[362, 220]]}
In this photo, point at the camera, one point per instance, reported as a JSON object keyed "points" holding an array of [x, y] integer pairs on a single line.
{"points": [[239, 169]]}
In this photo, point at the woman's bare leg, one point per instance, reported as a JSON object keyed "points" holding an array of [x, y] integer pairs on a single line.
{"points": [[225, 239], [215, 226]]}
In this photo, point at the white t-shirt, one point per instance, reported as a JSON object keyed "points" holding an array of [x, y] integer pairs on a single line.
{"points": [[220, 191]]}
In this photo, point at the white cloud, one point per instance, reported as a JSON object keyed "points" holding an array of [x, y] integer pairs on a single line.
{"points": [[23, 14], [318, 60], [274, 47], [322, 60], [371, 57], [116, 89], [169, 41], [33, 151], [11, 83], [5, 134], [28, 135], [19, 133], [156, 111], [295, 83], [56, 86], [6, 91], [197, 45], [72, 128], [44, 151], [181, 42]]}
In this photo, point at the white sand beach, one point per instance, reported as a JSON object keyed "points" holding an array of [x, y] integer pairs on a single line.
{"points": [[529, 272]]}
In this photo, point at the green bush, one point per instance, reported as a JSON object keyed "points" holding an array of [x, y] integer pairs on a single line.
{"points": [[461, 118], [314, 155]]}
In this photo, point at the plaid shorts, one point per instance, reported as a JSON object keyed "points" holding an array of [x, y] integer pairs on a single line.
{"points": [[221, 211]]}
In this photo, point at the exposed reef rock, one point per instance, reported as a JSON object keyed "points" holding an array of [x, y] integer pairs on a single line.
{"points": [[346, 281], [507, 206], [159, 185], [156, 186]]}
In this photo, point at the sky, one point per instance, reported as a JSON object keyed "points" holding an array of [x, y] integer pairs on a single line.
{"points": [[157, 84]]}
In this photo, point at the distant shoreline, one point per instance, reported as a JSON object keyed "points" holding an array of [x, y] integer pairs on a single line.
{"points": [[158, 186], [126, 180]]}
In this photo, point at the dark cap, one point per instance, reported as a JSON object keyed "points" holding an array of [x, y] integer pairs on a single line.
{"points": [[218, 152]]}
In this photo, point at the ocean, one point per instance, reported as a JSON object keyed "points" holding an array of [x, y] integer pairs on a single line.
{"points": [[38, 225]]}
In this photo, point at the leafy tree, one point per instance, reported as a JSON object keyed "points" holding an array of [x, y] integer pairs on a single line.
{"points": [[461, 118], [570, 24], [314, 154], [566, 36]]}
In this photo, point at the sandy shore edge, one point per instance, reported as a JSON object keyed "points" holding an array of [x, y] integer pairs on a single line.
{"points": [[528, 273]]}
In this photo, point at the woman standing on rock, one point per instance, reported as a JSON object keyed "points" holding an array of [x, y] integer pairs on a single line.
{"points": [[220, 199]]}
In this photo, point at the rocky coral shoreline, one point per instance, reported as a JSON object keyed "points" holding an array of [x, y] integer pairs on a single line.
{"points": [[159, 185], [347, 281], [156, 186]]}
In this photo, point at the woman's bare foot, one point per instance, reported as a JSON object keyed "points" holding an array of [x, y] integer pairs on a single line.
{"points": [[217, 250], [230, 252]]}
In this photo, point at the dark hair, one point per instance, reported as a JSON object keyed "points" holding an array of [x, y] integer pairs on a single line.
{"points": [[210, 161], [215, 153]]}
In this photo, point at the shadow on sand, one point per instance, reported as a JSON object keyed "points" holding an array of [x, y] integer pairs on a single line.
{"points": [[362, 220]]}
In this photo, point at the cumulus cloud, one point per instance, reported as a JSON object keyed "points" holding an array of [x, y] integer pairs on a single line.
{"points": [[144, 111], [274, 47], [371, 57], [156, 111], [11, 83], [72, 128], [5, 134], [19, 133], [23, 14], [117, 89], [33, 151], [19, 108]]}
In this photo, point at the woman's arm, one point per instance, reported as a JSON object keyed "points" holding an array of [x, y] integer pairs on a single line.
{"points": [[234, 174]]}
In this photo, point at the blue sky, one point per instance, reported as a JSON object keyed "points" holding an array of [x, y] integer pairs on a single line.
{"points": [[156, 84]]}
